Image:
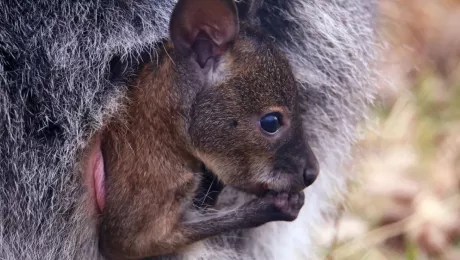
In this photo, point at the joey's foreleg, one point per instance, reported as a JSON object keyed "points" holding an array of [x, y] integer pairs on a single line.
{"points": [[272, 207]]}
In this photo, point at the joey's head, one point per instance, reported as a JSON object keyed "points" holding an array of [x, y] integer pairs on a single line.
{"points": [[244, 124]]}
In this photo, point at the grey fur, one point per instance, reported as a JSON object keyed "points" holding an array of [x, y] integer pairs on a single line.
{"points": [[54, 94]]}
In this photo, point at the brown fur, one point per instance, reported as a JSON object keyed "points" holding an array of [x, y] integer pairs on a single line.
{"points": [[153, 184], [178, 116]]}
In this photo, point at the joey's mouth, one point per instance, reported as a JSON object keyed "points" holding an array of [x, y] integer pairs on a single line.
{"points": [[95, 175]]}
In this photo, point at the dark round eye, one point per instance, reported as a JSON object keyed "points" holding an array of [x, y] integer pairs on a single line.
{"points": [[271, 122]]}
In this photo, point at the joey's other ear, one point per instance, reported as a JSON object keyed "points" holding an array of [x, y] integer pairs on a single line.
{"points": [[204, 28]]}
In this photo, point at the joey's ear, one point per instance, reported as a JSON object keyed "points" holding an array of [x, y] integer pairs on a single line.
{"points": [[205, 28]]}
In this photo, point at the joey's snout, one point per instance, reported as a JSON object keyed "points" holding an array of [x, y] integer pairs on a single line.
{"points": [[296, 165], [309, 176], [311, 168]]}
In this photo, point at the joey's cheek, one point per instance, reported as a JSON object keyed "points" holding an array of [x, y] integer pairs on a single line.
{"points": [[94, 176]]}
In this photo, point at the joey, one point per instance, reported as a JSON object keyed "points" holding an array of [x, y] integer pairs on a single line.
{"points": [[220, 94]]}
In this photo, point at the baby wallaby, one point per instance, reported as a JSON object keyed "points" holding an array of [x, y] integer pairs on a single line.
{"points": [[221, 95]]}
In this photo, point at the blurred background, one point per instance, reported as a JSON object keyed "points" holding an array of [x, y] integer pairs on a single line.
{"points": [[406, 201]]}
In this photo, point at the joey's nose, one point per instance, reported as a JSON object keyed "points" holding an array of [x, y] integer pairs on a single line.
{"points": [[309, 176]]}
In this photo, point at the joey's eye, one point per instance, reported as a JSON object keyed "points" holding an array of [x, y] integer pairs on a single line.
{"points": [[271, 122]]}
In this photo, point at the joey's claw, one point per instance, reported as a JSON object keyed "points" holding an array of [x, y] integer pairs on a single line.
{"points": [[301, 200], [284, 196], [294, 198], [284, 206], [271, 194]]}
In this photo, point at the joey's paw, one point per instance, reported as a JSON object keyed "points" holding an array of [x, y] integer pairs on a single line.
{"points": [[283, 205]]}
